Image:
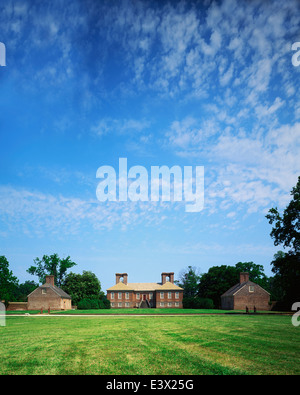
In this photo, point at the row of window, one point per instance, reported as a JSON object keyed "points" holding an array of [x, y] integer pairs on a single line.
{"points": [[161, 304], [112, 295], [169, 304], [169, 295], [138, 296]]}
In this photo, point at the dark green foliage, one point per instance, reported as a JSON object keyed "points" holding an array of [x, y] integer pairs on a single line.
{"points": [[23, 290], [82, 286], [189, 280], [93, 304], [286, 228], [8, 282], [286, 266], [53, 265], [197, 303]]}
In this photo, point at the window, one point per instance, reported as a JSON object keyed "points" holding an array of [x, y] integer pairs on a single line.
{"points": [[112, 305], [150, 295], [112, 295], [169, 295], [126, 295], [169, 304], [126, 304], [44, 291], [119, 295], [176, 295], [161, 295], [119, 304], [251, 288], [177, 304], [162, 304], [138, 295]]}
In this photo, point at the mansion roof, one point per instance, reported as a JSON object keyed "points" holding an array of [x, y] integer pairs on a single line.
{"points": [[144, 287]]}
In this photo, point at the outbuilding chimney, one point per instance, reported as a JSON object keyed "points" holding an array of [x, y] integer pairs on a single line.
{"points": [[50, 280], [244, 277]]}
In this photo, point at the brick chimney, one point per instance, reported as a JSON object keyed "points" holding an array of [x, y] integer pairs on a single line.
{"points": [[121, 275], [164, 277], [50, 280], [244, 277]]}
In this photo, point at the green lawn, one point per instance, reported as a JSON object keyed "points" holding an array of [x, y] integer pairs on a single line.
{"points": [[136, 311], [225, 344], [143, 311]]}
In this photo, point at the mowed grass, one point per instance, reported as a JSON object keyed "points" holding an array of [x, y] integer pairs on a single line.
{"points": [[144, 345], [126, 311]]}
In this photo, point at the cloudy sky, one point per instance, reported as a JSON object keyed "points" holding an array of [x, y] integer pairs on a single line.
{"points": [[177, 83]]}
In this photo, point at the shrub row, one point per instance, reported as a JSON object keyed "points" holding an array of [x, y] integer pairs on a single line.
{"points": [[89, 304], [197, 303]]}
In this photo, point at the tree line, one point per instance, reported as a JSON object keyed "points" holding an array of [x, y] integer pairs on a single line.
{"points": [[84, 289], [284, 286], [200, 290]]}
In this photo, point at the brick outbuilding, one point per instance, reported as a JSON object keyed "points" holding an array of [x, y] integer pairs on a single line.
{"points": [[245, 294], [48, 296], [156, 295]]}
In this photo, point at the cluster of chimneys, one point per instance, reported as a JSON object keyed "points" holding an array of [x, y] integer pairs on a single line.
{"points": [[244, 277], [164, 277]]}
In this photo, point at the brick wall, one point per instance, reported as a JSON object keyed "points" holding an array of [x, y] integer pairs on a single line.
{"points": [[131, 299], [169, 299], [43, 298], [14, 306], [250, 297]]}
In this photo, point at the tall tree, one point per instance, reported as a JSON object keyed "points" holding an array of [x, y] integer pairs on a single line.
{"points": [[24, 290], [81, 286], [286, 229], [216, 281], [256, 273], [189, 280], [8, 282], [53, 265], [286, 266]]}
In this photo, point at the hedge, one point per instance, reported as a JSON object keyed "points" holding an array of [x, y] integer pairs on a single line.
{"points": [[90, 304], [197, 303]]}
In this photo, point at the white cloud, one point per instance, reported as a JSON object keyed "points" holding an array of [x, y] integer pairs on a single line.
{"points": [[117, 127], [255, 170], [37, 214]]}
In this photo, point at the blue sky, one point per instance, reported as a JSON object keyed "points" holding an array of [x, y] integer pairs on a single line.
{"points": [[184, 83]]}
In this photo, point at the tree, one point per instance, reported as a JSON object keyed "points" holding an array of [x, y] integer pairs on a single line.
{"points": [[286, 266], [8, 282], [216, 281], [82, 286], [52, 265], [286, 228], [189, 280], [24, 290], [256, 273]]}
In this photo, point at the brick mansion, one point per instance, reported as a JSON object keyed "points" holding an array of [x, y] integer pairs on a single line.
{"points": [[165, 294]]}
